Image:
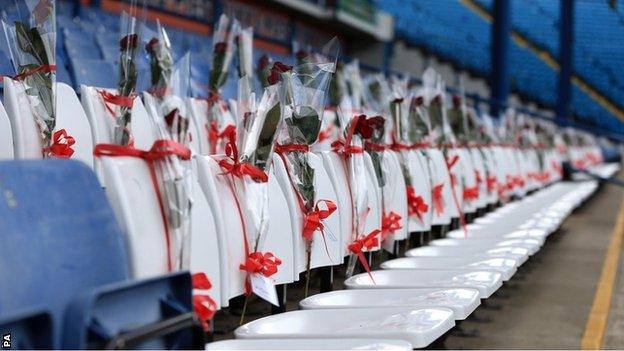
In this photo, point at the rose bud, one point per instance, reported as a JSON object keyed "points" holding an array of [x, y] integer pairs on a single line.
{"points": [[264, 62], [151, 46], [220, 47], [276, 71], [172, 116], [128, 42]]}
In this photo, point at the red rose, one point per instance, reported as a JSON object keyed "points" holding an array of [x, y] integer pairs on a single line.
{"points": [[376, 122], [398, 100], [128, 42], [172, 116], [264, 62], [363, 127], [456, 101], [220, 47], [276, 71], [301, 55], [151, 46], [437, 99]]}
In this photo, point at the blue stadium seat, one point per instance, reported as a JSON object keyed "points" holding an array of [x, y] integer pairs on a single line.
{"points": [[64, 256], [97, 73]]}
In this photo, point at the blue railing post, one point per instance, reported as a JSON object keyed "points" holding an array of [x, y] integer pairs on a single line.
{"points": [[566, 38], [499, 80]]}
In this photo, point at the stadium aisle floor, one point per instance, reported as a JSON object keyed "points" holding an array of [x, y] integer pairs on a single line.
{"points": [[614, 336], [548, 307]]}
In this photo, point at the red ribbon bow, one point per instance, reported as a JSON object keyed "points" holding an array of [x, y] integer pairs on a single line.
{"points": [[259, 263], [117, 100], [237, 168], [214, 136], [313, 220], [416, 205], [61, 146], [205, 307], [390, 223], [471, 194], [160, 150], [367, 242]]}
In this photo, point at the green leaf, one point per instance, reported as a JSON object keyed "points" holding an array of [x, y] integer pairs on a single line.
{"points": [[267, 136], [304, 125]]}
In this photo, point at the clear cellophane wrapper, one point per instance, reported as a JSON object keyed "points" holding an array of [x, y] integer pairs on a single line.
{"points": [[257, 126], [303, 94], [170, 118]]}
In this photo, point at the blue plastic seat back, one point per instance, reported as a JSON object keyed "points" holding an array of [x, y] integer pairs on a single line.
{"points": [[59, 236], [96, 317], [27, 331], [96, 73]]}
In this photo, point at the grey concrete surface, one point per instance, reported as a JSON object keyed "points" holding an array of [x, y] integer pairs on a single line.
{"points": [[548, 306]]}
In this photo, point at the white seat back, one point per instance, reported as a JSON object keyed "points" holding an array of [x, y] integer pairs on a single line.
{"points": [[26, 140], [71, 117], [421, 181], [6, 135], [395, 197], [133, 198], [102, 123]]}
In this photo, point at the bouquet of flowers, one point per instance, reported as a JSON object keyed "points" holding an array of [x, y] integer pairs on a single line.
{"points": [[32, 46], [165, 103], [219, 117], [443, 137], [355, 127], [247, 165], [128, 47], [304, 88]]}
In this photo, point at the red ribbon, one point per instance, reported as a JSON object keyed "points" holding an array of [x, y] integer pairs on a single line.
{"points": [[205, 307], [390, 223], [280, 149], [237, 168], [416, 205], [374, 146], [450, 163], [438, 201], [342, 148], [478, 178], [326, 133], [556, 166], [160, 150], [38, 69], [368, 242], [491, 183], [214, 136], [117, 100], [61, 145]]}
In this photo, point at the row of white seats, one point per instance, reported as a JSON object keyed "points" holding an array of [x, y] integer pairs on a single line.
{"points": [[417, 298], [216, 233]]}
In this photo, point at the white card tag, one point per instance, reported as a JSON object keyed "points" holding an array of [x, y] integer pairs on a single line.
{"points": [[265, 288]]}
